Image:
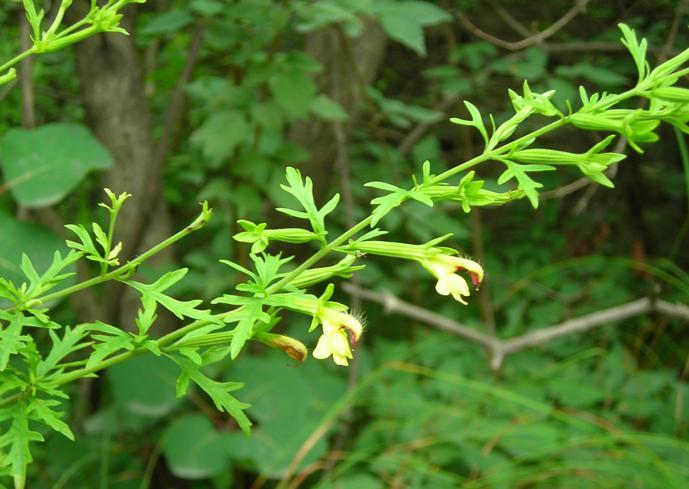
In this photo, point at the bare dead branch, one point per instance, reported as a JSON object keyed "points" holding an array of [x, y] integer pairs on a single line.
{"points": [[498, 349], [579, 6], [578, 325], [511, 21], [393, 305]]}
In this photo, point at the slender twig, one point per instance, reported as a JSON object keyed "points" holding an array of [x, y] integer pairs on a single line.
{"points": [[579, 6], [565, 190], [392, 304], [498, 349], [511, 21], [674, 29], [308, 263]]}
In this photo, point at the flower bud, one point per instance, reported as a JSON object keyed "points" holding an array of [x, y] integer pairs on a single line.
{"points": [[291, 235], [293, 348], [672, 94]]}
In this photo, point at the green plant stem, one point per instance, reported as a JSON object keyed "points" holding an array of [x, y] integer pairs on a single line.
{"points": [[327, 249], [111, 234], [67, 30], [17, 59], [127, 268], [684, 155]]}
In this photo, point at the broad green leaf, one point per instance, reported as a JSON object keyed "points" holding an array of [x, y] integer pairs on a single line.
{"points": [[206, 8], [144, 385], [531, 440], [220, 134], [43, 165], [317, 15], [169, 22], [194, 449], [592, 73], [404, 21], [305, 397], [406, 30], [425, 13], [293, 90], [326, 108]]}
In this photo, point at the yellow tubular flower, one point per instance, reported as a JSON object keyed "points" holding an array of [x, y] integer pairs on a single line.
{"points": [[339, 330], [444, 268]]}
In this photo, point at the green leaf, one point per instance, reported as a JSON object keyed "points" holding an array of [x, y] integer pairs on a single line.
{"points": [[394, 199], [17, 438], [293, 90], [207, 8], [636, 48], [69, 343], [220, 134], [144, 385], [219, 392], [167, 22], [531, 440], [11, 339], [146, 315], [594, 74], [114, 341], [526, 183], [41, 410], [404, 21], [43, 165], [306, 395], [316, 15], [252, 313], [179, 308], [326, 108], [194, 449], [476, 120], [406, 30], [86, 244], [302, 190]]}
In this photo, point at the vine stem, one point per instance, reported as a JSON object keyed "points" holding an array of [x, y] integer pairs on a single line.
{"points": [[316, 257], [130, 266], [17, 59]]}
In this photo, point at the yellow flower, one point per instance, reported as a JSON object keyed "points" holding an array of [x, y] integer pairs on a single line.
{"points": [[339, 330], [444, 268]]}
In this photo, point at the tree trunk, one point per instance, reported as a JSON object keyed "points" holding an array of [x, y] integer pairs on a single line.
{"points": [[113, 93]]}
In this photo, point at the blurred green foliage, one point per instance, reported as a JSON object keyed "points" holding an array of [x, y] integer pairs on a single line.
{"points": [[608, 408]]}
